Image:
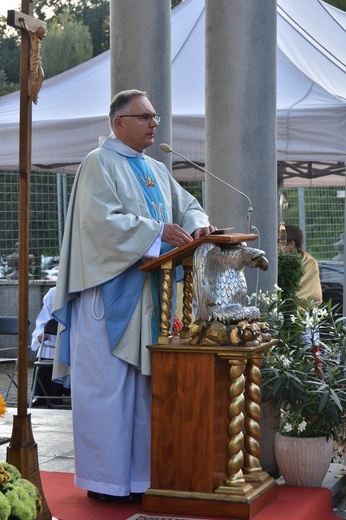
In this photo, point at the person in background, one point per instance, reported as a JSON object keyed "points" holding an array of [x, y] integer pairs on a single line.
{"points": [[48, 351], [125, 208], [310, 284]]}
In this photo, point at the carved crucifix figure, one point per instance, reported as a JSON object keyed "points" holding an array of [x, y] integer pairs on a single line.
{"points": [[36, 68], [36, 30]]}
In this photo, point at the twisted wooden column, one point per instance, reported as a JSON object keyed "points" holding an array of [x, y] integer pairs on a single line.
{"points": [[235, 414], [166, 306], [187, 298], [252, 467]]}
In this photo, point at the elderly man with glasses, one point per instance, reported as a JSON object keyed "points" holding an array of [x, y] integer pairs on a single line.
{"points": [[125, 207]]}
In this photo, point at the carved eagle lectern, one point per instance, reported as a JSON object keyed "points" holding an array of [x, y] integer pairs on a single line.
{"points": [[220, 284]]}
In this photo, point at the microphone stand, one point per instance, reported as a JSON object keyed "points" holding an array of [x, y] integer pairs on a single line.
{"points": [[167, 149]]}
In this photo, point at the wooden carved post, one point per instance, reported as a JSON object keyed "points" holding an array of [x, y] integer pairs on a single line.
{"points": [[252, 466], [22, 451], [187, 297], [166, 307]]}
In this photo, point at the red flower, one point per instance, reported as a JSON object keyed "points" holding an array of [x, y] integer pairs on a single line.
{"points": [[177, 326]]}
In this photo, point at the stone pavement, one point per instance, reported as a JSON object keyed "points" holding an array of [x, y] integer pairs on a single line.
{"points": [[52, 431]]}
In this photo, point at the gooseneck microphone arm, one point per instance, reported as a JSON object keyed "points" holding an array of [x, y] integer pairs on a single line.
{"points": [[167, 149]]}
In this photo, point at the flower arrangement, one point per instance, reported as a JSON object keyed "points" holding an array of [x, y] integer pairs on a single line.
{"points": [[19, 498], [305, 371]]}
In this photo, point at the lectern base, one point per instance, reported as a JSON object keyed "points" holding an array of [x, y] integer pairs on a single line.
{"points": [[220, 504]]}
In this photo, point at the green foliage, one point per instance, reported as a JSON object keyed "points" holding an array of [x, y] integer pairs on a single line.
{"points": [[290, 271], [174, 3], [67, 44], [10, 58], [7, 88], [340, 4], [94, 14], [19, 498], [305, 371]]}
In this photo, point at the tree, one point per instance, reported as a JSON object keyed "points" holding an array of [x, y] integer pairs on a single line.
{"points": [[340, 4], [10, 58], [174, 3], [67, 44], [95, 15], [92, 13]]}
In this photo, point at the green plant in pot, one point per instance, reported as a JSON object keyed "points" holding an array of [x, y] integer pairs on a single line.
{"points": [[305, 371]]}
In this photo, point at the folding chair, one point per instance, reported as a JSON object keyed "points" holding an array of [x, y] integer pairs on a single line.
{"points": [[50, 328], [8, 365], [335, 292]]}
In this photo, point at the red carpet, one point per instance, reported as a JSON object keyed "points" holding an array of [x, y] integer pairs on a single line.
{"points": [[67, 502]]}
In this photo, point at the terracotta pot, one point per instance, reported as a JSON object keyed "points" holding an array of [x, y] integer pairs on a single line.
{"points": [[303, 461]]}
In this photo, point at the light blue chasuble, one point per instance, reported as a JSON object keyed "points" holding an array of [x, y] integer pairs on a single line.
{"points": [[121, 295]]}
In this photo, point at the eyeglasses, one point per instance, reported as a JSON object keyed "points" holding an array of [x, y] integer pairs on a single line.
{"points": [[145, 117]]}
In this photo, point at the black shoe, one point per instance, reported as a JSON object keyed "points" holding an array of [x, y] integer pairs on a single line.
{"points": [[128, 499], [137, 497]]}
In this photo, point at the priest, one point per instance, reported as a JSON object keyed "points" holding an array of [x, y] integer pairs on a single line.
{"points": [[125, 208]]}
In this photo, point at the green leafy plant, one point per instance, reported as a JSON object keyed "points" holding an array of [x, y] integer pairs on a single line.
{"points": [[305, 371], [290, 271]]}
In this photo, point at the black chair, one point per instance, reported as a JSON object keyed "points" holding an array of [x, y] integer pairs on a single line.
{"points": [[334, 292], [8, 364], [53, 401]]}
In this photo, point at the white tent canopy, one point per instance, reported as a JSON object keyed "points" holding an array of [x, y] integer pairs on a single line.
{"points": [[311, 103]]}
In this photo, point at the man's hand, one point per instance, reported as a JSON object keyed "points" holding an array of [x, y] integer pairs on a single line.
{"points": [[201, 232], [46, 336], [175, 235]]}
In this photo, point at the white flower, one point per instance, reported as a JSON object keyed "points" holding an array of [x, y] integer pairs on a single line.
{"points": [[288, 427], [323, 313], [309, 323], [302, 426], [285, 360]]}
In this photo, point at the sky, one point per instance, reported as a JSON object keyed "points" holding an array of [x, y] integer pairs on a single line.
{"points": [[7, 5]]}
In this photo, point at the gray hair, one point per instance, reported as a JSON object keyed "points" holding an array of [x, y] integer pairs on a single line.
{"points": [[121, 102]]}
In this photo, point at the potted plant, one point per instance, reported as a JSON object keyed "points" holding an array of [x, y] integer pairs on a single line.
{"points": [[305, 374]]}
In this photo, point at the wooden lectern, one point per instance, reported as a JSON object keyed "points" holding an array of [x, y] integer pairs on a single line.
{"points": [[205, 413]]}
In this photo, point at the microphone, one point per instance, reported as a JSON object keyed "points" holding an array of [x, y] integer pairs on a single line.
{"points": [[167, 149]]}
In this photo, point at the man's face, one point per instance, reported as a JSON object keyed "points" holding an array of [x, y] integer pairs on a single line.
{"points": [[137, 132]]}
